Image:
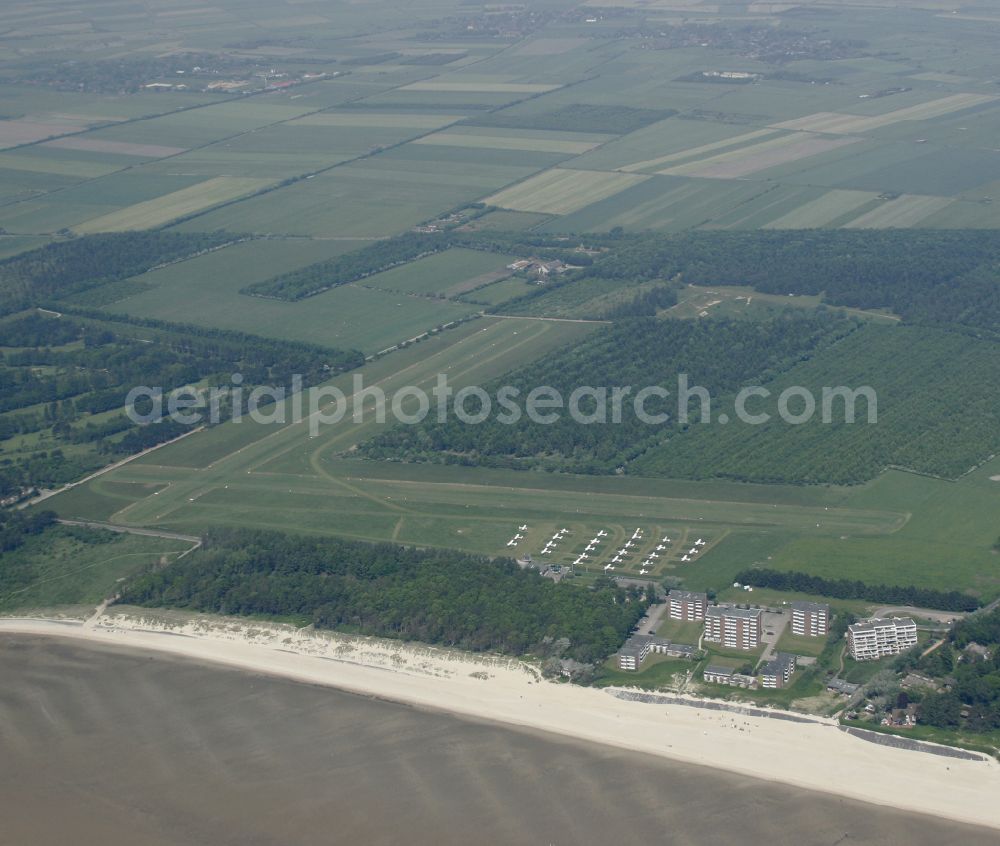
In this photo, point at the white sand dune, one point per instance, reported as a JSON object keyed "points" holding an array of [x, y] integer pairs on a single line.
{"points": [[813, 755]]}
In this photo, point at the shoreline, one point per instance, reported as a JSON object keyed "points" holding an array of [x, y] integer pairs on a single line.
{"points": [[813, 755]]}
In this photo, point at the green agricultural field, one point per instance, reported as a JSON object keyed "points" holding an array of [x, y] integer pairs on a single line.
{"points": [[450, 273], [559, 191], [667, 203], [205, 291], [378, 197], [824, 210], [945, 544], [523, 140], [162, 210]]}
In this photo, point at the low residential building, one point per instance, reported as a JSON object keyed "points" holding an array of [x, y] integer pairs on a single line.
{"points": [[778, 671], [631, 656], [687, 605], [638, 647], [718, 675], [879, 637], [810, 619], [733, 628], [841, 686], [682, 650], [726, 675]]}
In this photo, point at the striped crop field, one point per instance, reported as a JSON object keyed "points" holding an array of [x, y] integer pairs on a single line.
{"points": [[161, 210], [508, 142], [483, 87], [904, 211], [561, 191], [823, 210], [757, 157], [696, 152], [362, 118], [846, 124]]}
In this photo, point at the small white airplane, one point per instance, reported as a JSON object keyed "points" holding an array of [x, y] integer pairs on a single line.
{"points": [[511, 543], [564, 531], [584, 555], [660, 547], [642, 572], [699, 542], [654, 555], [685, 558], [518, 536], [693, 550], [523, 528], [602, 533], [545, 551], [607, 567], [665, 539]]}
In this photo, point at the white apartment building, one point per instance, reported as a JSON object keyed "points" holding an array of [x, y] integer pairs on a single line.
{"points": [[878, 637], [810, 619], [733, 628], [686, 605]]}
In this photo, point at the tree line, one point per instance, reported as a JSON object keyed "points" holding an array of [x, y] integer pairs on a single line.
{"points": [[792, 580], [434, 596]]}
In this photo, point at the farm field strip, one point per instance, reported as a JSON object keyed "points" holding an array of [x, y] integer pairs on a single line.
{"points": [[387, 120], [839, 123], [693, 152], [121, 148], [757, 157], [821, 211], [561, 191], [507, 142], [483, 87], [169, 207], [904, 211]]}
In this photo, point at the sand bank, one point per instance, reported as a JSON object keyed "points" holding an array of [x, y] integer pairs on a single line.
{"points": [[812, 755]]}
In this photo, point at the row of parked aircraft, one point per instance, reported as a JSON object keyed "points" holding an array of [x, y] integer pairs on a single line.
{"points": [[518, 537], [554, 541], [592, 545], [693, 551]]}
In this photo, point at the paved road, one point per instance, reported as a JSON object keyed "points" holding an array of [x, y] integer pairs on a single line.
{"points": [[652, 619], [926, 613]]}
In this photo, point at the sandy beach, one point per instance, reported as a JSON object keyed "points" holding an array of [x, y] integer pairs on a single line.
{"points": [[813, 755]]}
